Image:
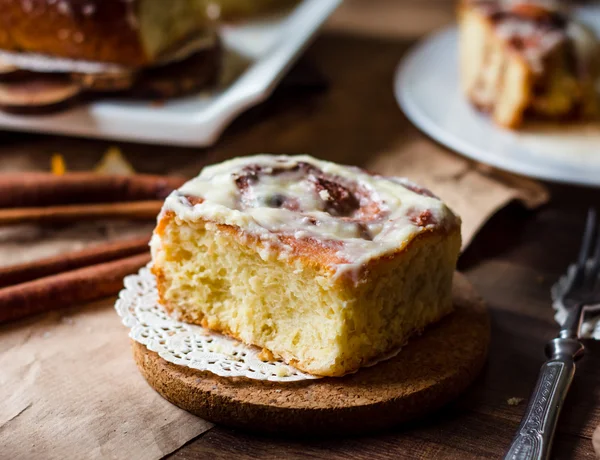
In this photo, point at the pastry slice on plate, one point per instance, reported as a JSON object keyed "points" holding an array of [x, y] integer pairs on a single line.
{"points": [[521, 60]]}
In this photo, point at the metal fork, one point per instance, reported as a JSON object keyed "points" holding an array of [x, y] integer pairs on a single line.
{"points": [[578, 290]]}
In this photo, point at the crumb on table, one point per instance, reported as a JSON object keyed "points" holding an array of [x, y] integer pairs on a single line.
{"points": [[282, 372], [266, 355], [514, 401]]}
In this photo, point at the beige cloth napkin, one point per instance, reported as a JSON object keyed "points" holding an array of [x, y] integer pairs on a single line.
{"points": [[474, 191], [70, 388]]}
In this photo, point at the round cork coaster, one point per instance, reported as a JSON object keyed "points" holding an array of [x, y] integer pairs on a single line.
{"points": [[429, 372]]}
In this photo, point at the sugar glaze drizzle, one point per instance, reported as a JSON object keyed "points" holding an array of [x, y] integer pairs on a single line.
{"points": [[358, 214]]}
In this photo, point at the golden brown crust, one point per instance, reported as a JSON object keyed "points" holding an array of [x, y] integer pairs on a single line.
{"points": [[94, 30], [91, 30], [427, 234]]}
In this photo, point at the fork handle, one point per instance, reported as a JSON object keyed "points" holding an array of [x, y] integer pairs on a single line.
{"points": [[536, 432]]}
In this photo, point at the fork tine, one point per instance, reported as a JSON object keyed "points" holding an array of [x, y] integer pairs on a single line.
{"points": [[588, 237]]}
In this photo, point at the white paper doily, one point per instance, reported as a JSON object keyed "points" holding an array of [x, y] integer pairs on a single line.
{"points": [[188, 345], [590, 329]]}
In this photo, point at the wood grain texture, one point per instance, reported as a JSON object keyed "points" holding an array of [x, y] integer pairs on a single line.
{"points": [[430, 371]]}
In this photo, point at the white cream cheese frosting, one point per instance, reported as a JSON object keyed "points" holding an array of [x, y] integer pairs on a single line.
{"points": [[362, 215], [535, 27]]}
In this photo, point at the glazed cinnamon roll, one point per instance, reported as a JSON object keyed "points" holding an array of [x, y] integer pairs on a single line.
{"points": [[327, 267], [523, 59]]}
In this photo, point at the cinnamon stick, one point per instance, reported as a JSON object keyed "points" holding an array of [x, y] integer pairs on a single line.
{"points": [[68, 288], [44, 189], [64, 262], [134, 210]]}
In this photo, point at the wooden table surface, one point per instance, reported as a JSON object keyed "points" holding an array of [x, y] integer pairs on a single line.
{"points": [[512, 262]]}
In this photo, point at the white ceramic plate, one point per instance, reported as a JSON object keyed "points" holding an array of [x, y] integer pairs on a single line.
{"points": [[427, 89], [269, 47]]}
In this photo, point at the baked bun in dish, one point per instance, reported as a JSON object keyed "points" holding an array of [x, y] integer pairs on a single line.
{"points": [[327, 267], [527, 59], [96, 46]]}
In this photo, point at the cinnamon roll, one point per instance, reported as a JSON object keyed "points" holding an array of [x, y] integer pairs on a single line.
{"points": [[327, 267], [523, 59]]}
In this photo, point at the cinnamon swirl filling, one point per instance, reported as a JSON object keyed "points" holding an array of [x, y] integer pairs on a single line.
{"points": [[281, 197]]}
